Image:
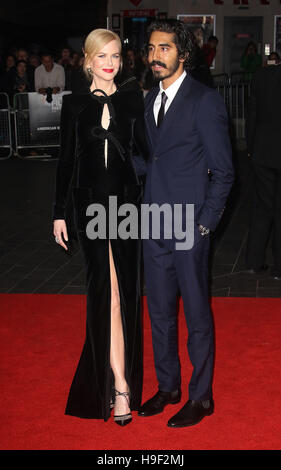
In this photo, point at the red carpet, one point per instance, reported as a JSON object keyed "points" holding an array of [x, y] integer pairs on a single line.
{"points": [[41, 341]]}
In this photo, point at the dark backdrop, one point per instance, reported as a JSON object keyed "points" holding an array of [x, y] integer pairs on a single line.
{"points": [[48, 23]]}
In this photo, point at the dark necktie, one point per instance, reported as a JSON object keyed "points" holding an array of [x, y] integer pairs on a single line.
{"points": [[161, 113]]}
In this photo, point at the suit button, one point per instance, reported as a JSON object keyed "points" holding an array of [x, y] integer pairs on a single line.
{"points": [[155, 158]]}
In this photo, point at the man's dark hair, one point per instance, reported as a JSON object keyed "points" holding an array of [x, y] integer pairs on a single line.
{"points": [[46, 53], [21, 61], [184, 39]]}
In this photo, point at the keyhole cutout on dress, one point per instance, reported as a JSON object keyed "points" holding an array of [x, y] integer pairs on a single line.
{"points": [[105, 120]]}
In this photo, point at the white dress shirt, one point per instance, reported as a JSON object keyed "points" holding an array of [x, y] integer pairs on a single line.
{"points": [[44, 79], [171, 92]]}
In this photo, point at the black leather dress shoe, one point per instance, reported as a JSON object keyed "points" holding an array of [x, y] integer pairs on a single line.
{"points": [[157, 403], [192, 413]]}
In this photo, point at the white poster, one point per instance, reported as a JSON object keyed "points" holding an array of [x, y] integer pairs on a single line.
{"points": [[44, 118]]}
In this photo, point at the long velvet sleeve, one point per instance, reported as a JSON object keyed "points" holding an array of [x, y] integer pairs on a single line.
{"points": [[213, 126], [65, 166], [141, 146]]}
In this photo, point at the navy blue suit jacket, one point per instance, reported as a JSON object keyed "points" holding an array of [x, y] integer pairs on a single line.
{"points": [[193, 138]]}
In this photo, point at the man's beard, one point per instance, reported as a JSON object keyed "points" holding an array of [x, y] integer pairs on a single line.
{"points": [[167, 72]]}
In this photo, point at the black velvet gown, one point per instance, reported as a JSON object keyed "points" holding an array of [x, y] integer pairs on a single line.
{"points": [[82, 160]]}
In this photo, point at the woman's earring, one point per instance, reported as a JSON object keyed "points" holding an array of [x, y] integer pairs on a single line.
{"points": [[89, 70]]}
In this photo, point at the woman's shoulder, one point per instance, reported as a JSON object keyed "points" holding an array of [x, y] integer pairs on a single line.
{"points": [[130, 95], [130, 85], [75, 101]]}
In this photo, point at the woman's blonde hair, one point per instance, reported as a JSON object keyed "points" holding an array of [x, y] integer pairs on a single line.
{"points": [[95, 41]]}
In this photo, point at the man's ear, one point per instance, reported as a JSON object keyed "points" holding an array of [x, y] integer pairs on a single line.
{"points": [[184, 57]]}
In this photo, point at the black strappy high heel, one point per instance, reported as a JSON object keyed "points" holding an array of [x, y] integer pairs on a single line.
{"points": [[123, 420]]}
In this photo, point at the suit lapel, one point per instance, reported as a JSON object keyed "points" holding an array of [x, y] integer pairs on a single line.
{"points": [[172, 115], [149, 115]]}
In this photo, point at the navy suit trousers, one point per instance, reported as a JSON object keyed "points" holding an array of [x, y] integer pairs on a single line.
{"points": [[168, 273]]}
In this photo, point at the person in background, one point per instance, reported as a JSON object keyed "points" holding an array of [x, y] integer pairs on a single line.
{"points": [[251, 61], [75, 60], [133, 66], [210, 50], [199, 36], [65, 57], [201, 71], [130, 62], [21, 81], [5, 74], [273, 58], [17, 80], [65, 61], [147, 80], [49, 75], [10, 63], [77, 78], [22, 54], [34, 61], [263, 130]]}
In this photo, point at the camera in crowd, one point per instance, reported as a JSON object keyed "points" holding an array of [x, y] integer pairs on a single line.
{"points": [[49, 92]]}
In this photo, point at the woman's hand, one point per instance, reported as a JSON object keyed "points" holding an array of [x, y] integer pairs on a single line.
{"points": [[59, 230]]}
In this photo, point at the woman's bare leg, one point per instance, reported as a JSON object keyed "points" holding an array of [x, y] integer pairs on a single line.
{"points": [[117, 347]]}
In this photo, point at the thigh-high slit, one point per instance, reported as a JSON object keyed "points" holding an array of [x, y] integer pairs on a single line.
{"points": [[91, 389]]}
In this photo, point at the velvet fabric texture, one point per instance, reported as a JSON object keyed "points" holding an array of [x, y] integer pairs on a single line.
{"points": [[82, 161]]}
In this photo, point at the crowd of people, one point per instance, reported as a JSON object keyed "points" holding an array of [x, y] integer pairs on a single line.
{"points": [[251, 60], [22, 71]]}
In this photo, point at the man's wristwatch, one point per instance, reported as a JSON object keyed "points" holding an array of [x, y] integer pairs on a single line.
{"points": [[203, 230]]}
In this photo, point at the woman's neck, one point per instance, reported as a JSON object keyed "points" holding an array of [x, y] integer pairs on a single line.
{"points": [[108, 87]]}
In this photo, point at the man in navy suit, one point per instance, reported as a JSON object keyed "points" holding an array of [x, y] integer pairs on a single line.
{"points": [[190, 164]]}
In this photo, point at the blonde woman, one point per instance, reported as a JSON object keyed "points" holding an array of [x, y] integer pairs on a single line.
{"points": [[99, 130]]}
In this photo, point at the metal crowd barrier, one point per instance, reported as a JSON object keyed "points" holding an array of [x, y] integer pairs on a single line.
{"points": [[238, 100], [221, 82], [6, 146], [234, 89], [236, 92], [40, 141]]}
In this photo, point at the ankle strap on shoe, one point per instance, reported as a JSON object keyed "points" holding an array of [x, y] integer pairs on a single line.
{"points": [[123, 394]]}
